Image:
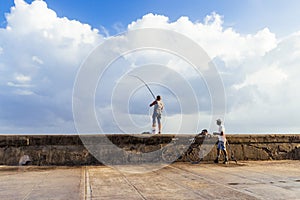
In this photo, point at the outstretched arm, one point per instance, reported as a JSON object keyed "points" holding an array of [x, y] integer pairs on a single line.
{"points": [[153, 103]]}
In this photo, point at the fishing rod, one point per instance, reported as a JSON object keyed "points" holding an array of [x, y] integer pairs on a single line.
{"points": [[145, 85]]}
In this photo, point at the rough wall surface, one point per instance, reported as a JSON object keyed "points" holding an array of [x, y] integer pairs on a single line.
{"points": [[70, 150]]}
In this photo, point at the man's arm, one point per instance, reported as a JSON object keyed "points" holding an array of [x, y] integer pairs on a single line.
{"points": [[153, 103]]}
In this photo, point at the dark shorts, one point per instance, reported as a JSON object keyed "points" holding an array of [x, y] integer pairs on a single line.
{"points": [[221, 145]]}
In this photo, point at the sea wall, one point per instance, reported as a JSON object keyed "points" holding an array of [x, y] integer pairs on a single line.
{"points": [[130, 149]]}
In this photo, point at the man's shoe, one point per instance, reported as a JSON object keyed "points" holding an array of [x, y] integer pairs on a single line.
{"points": [[226, 161], [216, 160]]}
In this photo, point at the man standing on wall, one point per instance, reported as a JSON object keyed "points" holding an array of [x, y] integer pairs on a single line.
{"points": [[158, 108], [221, 142]]}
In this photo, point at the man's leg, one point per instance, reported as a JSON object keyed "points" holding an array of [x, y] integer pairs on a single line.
{"points": [[159, 128], [218, 156], [159, 124], [226, 156], [153, 128], [153, 123]]}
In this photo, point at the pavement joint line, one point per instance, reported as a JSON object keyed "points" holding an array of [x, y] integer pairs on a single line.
{"points": [[185, 187], [132, 185], [279, 177], [87, 185], [252, 179], [259, 181], [217, 183], [35, 185], [83, 183]]}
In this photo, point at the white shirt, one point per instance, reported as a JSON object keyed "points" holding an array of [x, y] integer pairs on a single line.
{"points": [[158, 107], [222, 138]]}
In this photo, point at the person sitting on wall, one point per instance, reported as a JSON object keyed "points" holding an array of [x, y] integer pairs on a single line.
{"points": [[204, 132]]}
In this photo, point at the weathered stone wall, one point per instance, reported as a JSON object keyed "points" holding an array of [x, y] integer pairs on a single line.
{"points": [[70, 150]]}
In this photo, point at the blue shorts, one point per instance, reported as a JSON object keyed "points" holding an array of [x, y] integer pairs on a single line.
{"points": [[154, 117], [221, 145]]}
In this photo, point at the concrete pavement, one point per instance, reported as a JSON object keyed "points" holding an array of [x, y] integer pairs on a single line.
{"points": [[247, 180]]}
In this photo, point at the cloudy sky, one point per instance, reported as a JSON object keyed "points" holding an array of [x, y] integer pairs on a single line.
{"points": [[254, 45]]}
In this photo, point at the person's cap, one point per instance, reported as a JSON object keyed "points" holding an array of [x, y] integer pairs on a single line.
{"points": [[219, 120]]}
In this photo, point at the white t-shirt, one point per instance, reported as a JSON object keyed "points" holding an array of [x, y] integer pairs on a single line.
{"points": [[158, 107], [222, 138]]}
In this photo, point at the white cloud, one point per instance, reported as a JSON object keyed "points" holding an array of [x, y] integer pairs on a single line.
{"points": [[267, 97], [18, 85], [150, 21], [214, 20], [22, 78], [265, 78], [37, 60], [23, 92], [40, 54], [229, 45], [260, 71], [22, 85]]}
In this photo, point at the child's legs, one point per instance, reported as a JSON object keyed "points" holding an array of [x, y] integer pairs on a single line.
{"points": [[225, 154], [218, 155], [221, 146], [218, 152]]}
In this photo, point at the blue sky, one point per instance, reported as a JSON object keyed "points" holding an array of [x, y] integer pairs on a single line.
{"points": [[246, 16], [254, 44]]}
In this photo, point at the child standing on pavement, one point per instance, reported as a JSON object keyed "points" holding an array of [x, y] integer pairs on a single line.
{"points": [[221, 142]]}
